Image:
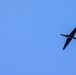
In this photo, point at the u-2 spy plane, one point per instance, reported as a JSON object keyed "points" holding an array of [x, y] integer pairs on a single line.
{"points": [[69, 37]]}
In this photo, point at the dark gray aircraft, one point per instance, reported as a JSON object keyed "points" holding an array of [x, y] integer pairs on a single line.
{"points": [[69, 37]]}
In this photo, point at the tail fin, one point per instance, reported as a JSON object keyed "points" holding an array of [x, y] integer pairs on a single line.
{"points": [[62, 34]]}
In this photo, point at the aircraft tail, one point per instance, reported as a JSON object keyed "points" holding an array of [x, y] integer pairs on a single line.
{"points": [[62, 34]]}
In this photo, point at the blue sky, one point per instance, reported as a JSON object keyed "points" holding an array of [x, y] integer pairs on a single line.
{"points": [[30, 41]]}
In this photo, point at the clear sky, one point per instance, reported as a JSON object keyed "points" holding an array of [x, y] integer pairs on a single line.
{"points": [[30, 41]]}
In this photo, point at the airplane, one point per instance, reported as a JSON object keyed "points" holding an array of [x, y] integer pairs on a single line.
{"points": [[69, 37]]}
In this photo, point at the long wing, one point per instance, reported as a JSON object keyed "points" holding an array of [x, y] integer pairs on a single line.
{"points": [[67, 42], [69, 39], [72, 33]]}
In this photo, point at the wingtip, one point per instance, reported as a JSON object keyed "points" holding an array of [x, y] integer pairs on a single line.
{"points": [[63, 48]]}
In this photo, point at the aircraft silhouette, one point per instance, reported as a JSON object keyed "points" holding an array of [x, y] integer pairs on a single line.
{"points": [[69, 37]]}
